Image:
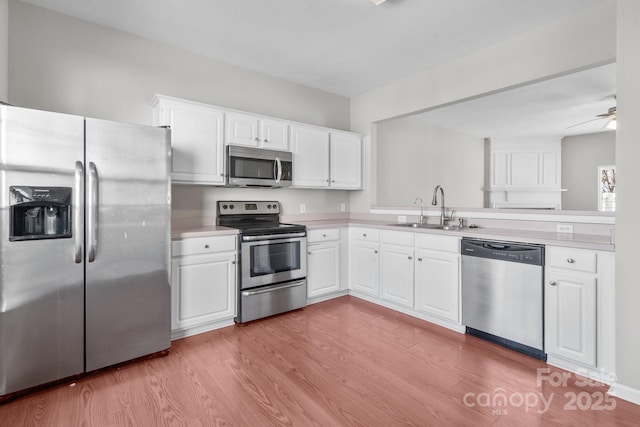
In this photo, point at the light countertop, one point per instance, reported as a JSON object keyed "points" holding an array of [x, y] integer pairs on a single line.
{"points": [[583, 241]]}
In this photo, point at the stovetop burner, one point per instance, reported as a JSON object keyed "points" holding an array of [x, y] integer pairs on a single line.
{"points": [[254, 218]]}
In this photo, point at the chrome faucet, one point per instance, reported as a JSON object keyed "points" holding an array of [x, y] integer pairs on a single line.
{"points": [[421, 209], [434, 202]]}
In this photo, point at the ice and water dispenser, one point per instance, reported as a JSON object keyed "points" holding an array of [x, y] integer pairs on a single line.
{"points": [[39, 213]]}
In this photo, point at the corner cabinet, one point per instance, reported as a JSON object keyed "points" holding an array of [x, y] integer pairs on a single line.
{"points": [[326, 159], [196, 140], [203, 284], [580, 308]]}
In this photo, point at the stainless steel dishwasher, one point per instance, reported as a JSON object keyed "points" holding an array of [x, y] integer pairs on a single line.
{"points": [[502, 293]]}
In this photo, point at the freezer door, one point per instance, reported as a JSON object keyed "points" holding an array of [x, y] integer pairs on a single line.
{"points": [[128, 237], [41, 281]]}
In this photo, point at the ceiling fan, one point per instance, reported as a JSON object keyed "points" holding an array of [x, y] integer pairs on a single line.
{"points": [[610, 115]]}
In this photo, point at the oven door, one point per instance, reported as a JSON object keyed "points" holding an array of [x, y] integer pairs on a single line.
{"points": [[270, 260]]}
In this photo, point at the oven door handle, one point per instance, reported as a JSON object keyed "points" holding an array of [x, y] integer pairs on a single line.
{"points": [[271, 289], [273, 236]]}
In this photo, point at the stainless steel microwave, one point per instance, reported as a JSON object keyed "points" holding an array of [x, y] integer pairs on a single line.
{"points": [[258, 167]]}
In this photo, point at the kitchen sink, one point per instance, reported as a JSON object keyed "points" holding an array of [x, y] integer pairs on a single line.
{"points": [[428, 226]]}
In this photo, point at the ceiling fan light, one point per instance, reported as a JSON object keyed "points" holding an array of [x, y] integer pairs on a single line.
{"points": [[377, 2]]}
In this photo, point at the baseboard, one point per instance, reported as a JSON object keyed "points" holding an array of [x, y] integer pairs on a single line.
{"points": [[195, 330], [427, 318], [624, 392], [327, 297]]}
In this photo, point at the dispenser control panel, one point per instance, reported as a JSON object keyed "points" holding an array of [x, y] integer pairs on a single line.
{"points": [[39, 213]]}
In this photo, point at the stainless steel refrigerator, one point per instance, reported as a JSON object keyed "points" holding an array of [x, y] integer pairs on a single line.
{"points": [[84, 245]]}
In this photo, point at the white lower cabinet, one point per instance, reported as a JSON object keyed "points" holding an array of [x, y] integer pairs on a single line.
{"points": [[570, 316], [203, 284], [437, 290], [364, 261], [580, 310], [396, 267], [323, 262]]}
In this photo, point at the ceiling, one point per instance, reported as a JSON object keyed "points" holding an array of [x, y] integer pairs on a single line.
{"points": [[546, 108], [345, 47]]}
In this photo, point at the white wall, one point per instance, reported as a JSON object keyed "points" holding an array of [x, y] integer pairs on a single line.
{"points": [[414, 156], [581, 156], [68, 65], [559, 48], [4, 50], [627, 200]]}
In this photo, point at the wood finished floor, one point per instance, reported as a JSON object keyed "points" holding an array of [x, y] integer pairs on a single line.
{"points": [[344, 362]]}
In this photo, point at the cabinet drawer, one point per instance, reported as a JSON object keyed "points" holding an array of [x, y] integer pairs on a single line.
{"points": [[323, 235], [397, 238], [572, 259], [203, 245], [438, 243], [367, 234]]}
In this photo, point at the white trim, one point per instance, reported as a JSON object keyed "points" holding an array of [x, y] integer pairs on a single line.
{"points": [[199, 329], [624, 392], [521, 216]]}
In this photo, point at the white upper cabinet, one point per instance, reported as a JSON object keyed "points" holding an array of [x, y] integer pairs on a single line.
{"points": [[256, 131], [310, 148], [326, 159], [346, 161], [196, 140]]}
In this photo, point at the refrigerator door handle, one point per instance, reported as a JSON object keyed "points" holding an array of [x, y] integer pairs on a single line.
{"points": [[77, 212], [92, 212]]}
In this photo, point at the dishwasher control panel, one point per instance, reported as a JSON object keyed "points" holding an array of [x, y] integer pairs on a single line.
{"points": [[504, 251]]}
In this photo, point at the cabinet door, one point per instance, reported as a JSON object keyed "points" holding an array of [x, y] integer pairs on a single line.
{"points": [[274, 134], [437, 288], [323, 269], [570, 316], [346, 161], [196, 141], [396, 274], [241, 129], [203, 289], [365, 268], [310, 148]]}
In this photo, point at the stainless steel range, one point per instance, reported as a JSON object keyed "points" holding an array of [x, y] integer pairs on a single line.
{"points": [[273, 263]]}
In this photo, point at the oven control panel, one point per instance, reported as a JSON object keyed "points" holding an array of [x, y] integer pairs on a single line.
{"points": [[235, 207]]}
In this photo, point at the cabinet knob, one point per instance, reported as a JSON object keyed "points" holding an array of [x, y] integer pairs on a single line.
{"points": [[327, 181], [256, 139], [364, 235], [309, 253], [419, 259], [324, 235], [375, 252], [570, 260], [553, 283], [206, 246], [410, 257], [265, 140], [233, 262], [333, 180]]}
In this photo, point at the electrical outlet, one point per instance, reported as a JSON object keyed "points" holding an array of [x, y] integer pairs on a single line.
{"points": [[303, 208], [402, 219], [343, 207], [564, 228]]}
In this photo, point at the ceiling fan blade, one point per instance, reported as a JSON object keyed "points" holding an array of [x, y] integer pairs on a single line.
{"points": [[583, 123]]}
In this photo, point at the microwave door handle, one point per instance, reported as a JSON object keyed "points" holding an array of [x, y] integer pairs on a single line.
{"points": [[279, 174]]}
